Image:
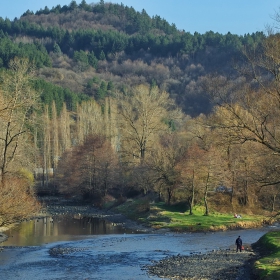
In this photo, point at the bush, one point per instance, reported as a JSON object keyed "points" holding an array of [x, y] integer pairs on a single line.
{"points": [[16, 202]]}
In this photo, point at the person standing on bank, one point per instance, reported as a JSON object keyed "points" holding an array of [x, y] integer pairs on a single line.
{"points": [[238, 243]]}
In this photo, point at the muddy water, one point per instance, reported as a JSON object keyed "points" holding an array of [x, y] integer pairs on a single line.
{"points": [[83, 252]]}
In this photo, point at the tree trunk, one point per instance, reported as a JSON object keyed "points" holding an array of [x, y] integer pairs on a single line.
{"points": [[205, 196], [273, 202], [190, 201], [169, 193], [191, 198]]}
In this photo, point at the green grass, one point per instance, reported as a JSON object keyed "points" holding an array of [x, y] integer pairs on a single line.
{"points": [[135, 209], [268, 267], [182, 221], [177, 218]]}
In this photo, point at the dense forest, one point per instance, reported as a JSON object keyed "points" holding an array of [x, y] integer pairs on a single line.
{"points": [[100, 101], [81, 46]]}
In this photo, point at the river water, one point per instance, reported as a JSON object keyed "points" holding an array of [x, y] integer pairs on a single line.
{"points": [[82, 248]]}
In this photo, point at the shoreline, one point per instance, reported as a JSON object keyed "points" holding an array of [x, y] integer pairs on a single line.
{"points": [[3, 237], [54, 209], [87, 211], [218, 264]]}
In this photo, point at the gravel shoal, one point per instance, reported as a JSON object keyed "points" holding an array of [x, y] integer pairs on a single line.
{"points": [[221, 264], [90, 211], [3, 237]]}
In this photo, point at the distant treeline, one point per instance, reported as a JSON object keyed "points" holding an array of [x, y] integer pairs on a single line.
{"points": [[132, 31]]}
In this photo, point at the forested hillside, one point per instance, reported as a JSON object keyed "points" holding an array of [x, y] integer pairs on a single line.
{"points": [[88, 48], [100, 101]]}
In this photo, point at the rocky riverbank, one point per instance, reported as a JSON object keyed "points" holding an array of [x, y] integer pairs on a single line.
{"points": [[90, 211], [3, 237], [215, 265]]}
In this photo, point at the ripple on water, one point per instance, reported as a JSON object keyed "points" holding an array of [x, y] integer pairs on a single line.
{"points": [[117, 256]]}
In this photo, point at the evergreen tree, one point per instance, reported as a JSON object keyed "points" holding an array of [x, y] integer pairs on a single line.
{"points": [[102, 55]]}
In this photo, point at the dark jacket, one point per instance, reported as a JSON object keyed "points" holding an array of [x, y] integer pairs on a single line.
{"points": [[238, 241]]}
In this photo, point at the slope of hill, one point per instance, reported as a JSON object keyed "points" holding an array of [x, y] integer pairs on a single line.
{"points": [[99, 48]]}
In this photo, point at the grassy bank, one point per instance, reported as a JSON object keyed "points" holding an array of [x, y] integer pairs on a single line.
{"points": [[177, 218], [268, 266]]}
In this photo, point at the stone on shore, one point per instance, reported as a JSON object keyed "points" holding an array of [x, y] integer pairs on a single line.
{"points": [[221, 264], [3, 237]]}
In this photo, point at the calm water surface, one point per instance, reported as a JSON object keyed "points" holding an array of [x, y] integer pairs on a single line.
{"points": [[59, 228]]}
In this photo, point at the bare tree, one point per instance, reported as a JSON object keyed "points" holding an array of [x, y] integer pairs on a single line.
{"points": [[163, 160], [144, 114], [246, 116], [205, 158], [88, 169], [55, 137], [65, 129], [17, 98], [46, 147]]}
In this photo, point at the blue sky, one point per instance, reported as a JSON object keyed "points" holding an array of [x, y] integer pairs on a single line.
{"points": [[222, 16]]}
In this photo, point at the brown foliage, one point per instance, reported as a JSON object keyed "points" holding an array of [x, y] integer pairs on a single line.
{"points": [[16, 202], [88, 169], [163, 160]]}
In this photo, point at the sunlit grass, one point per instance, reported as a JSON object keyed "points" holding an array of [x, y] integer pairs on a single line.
{"points": [[177, 218], [268, 267]]}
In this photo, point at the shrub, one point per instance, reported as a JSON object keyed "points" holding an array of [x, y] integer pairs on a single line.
{"points": [[16, 202]]}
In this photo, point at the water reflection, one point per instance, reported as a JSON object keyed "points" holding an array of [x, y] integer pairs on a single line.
{"points": [[59, 228]]}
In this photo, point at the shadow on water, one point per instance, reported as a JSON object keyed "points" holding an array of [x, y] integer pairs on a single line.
{"points": [[59, 228]]}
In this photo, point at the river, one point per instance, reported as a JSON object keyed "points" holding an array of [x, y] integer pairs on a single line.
{"points": [[73, 248]]}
